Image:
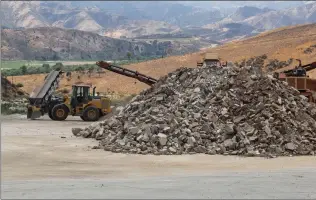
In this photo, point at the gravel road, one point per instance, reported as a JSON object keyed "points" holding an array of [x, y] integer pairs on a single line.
{"points": [[41, 159]]}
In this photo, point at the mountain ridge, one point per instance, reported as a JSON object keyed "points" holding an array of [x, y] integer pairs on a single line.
{"points": [[53, 43]]}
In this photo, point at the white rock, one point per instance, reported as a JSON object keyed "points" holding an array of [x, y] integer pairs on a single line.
{"points": [[162, 139], [197, 90]]}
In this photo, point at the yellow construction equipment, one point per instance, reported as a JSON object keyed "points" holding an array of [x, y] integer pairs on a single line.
{"points": [[80, 103]]}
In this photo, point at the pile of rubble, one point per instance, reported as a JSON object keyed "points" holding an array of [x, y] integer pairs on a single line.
{"points": [[230, 111]]}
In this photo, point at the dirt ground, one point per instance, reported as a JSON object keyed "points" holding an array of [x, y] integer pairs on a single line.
{"points": [[46, 151]]}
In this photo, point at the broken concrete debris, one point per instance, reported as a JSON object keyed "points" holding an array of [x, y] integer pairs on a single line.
{"points": [[229, 110]]}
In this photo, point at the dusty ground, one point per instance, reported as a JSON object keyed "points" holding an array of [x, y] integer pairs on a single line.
{"points": [[41, 159]]}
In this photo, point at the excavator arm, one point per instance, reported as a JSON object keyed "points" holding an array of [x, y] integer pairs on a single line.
{"points": [[127, 72], [307, 67]]}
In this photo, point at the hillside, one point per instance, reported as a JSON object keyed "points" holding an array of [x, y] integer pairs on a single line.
{"points": [[141, 27], [275, 19], [282, 44], [64, 15], [50, 43], [136, 19]]}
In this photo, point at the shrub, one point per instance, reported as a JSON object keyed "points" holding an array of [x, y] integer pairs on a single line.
{"points": [[23, 69], [65, 91], [19, 85]]}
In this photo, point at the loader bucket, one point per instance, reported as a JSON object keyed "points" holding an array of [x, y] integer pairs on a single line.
{"points": [[33, 112]]}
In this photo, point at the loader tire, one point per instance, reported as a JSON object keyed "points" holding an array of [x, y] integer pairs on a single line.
{"points": [[82, 118], [60, 112], [50, 114], [91, 114]]}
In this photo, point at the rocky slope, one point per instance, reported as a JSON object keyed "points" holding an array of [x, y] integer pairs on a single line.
{"points": [[137, 28], [60, 44], [247, 21], [65, 15], [276, 19]]}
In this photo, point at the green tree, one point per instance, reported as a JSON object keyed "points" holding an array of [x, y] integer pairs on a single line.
{"points": [[46, 67], [80, 69], [129, 55], [23, 69], [58, 66]]}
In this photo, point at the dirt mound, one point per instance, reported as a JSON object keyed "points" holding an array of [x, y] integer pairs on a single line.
{"points": [[9, 90], [236, 111]]}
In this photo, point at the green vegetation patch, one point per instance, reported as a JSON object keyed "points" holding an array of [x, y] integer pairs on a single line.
{"points": [[18, 68]]}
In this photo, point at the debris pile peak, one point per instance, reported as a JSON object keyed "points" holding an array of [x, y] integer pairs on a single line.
{"points": [[229, 110]]}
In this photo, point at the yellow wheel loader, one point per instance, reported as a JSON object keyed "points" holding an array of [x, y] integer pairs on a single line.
{"points": [[80, 103]]}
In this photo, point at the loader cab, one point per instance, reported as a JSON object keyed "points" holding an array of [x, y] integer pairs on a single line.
{"points": [[80, 94]]}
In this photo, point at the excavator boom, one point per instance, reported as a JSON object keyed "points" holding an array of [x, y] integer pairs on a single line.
{"points": [[127, 72], [306, 67]]}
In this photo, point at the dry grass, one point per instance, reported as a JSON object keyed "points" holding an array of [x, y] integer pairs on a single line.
{"points": [[281, 44]]}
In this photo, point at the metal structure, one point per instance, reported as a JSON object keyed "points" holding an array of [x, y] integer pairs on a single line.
{"points": [[127, 72], [42, 99], [299, 79], [81, 103], [210, 60]]}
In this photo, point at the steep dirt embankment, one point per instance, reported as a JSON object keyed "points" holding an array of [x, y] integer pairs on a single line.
{"points": [[9, 90], [282, 44]]}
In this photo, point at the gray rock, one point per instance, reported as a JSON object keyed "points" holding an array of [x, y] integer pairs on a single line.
{"points": [[173, 150], [133, 130], [267, 130], [76, 131], [145, 137], [229, 144], [139, 138], [229, 129], [162, 139], [85, 134], [191, 141], [290, 146], [197, 90], [197, 115]]}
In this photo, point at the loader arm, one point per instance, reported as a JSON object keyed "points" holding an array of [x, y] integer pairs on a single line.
{"points": [[41, 97], [127, 72]]}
